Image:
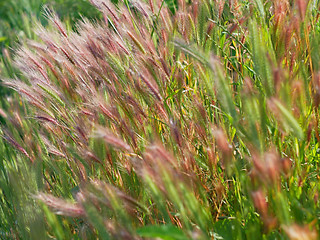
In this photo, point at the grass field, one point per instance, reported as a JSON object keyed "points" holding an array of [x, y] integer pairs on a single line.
{"points": [[160, 119]]}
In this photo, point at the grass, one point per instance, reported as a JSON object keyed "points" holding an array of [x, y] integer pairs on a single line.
{"points": [[166, 119], [20, 17]]}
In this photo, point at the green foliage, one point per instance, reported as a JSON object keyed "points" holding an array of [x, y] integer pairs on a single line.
{"points": [[166, 232], [172, 5]]}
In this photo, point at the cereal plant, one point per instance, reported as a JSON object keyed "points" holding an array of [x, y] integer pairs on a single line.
{"points": [[167, 119]]}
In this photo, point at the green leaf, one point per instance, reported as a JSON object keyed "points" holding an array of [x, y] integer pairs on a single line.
{"points": [[2, 39], [54, 223], [289, 120], [97, 221], [172, 5], [229, 229], [261, 8], [166, 232]]}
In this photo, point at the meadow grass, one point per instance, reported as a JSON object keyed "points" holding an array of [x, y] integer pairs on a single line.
{"points": [[166, 119], [18, 18]]}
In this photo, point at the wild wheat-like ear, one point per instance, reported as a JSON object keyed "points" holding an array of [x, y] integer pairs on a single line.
{"points": [[60, 206], [16, 145], [111, 139], [52, 17]]}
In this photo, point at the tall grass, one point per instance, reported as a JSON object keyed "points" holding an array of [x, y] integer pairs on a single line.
{"points": [[18, 18], [168, 119]]}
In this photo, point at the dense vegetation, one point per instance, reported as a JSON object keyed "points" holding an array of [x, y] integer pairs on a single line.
{"points": [[165, 119]]}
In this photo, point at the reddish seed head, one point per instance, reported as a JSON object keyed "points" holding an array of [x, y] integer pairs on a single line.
{"points": [[260, 203], [222, 143], [302, 8], [286, 165], [297, 232], [60, 206]]}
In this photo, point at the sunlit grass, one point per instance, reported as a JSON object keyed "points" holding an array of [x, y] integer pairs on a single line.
{"points": [[177, 120]]}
